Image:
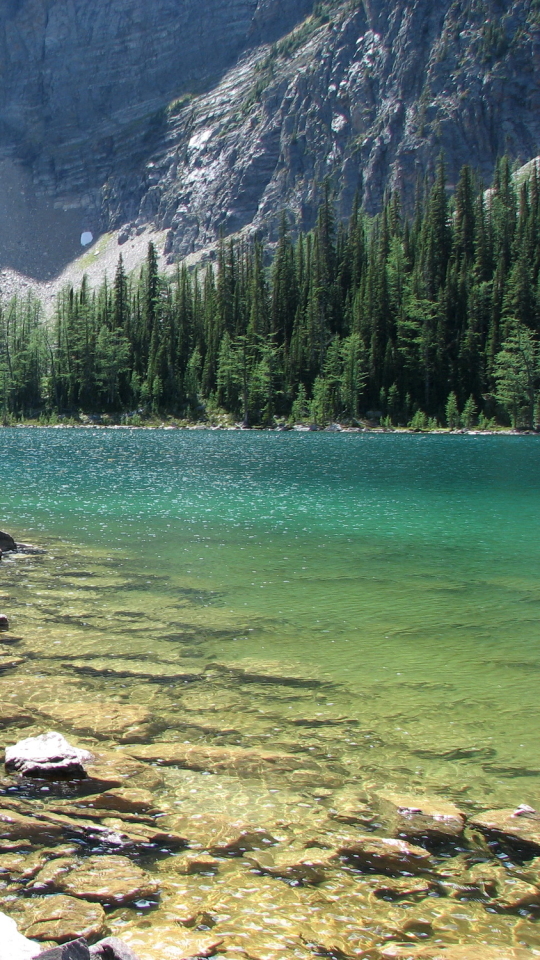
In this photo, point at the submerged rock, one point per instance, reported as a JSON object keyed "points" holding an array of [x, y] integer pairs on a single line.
{"points": [[521, 824], [13, 946], [127, 723], [503, 888], [4, 622], [385, 855], [294, 866], [471, 951], [49, 755], [63, 918], [412, 815], [243, 762], [102, 879], [221, 836]]}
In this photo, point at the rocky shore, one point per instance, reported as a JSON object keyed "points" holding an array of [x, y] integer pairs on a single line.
{"points": [[168, 807]]}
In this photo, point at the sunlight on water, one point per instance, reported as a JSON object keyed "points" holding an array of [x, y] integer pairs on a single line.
{"points": [[401, 571]]}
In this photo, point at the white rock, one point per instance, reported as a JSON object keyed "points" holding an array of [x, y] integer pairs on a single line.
{"points": [[47, 755], [13, 946]]}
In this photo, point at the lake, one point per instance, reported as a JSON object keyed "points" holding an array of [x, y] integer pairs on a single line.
{"points": [[370, 600]]}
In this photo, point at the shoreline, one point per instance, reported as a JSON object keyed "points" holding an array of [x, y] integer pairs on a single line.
{"points": [[279, 428]]}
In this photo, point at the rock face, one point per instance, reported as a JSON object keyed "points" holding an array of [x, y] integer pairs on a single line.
{"points": [[116, 113], [49, 755]]}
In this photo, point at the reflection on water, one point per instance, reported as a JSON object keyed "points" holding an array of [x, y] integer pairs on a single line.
{"points": [[367, 604]]}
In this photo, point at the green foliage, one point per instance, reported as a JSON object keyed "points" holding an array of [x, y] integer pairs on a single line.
{"points": [[517, 374], [452, 411], [418, 319]]}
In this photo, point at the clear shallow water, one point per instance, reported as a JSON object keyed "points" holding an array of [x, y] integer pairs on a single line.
{"points": [[388, 563], [400, 571]]}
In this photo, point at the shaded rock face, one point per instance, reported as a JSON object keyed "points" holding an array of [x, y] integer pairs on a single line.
{"points": [[83, 89], [94, 133]]}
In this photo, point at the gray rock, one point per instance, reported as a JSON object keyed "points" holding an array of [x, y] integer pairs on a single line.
{"points": [[119, 112], [76, 950], [112, 949], [48, 755]]}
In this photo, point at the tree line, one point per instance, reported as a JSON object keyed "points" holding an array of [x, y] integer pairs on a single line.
{"points": [[423, 320]]}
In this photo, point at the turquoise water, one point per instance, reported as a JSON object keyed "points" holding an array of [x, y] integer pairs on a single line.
{"points": [[402, 567]]}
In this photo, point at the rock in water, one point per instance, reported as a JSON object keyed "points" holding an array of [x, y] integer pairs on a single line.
{"points": [[4, 622], [13, 946], [49, 755], [7, 543], [76, 950], [112, 949]]}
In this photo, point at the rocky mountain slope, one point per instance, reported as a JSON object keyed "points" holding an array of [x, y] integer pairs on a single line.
{"points": [[202, 118]]}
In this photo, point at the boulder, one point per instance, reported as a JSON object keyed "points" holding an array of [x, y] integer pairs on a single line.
{"points": [[62, 918], [75, 950], [413, 815], [49, 755], [521, 825], [385, 855], [7, 542], [112, 949], [103, 879], [13, 946]]}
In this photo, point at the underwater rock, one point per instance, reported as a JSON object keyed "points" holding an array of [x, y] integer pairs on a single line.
{"points": [[12, 715], [7, 542], [243, 762], [502, 887], [294, 866], [18, 826], [103, 879], [122, 799], [49, 755], [13, 945], [472, 951], [220, 836], [126, 723], [62, 918], [521, 824], [385, 854], [136, 669], [113, 769], [4, 622], [412, 815], [194, 863]]}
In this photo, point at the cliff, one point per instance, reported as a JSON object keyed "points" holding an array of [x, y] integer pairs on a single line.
{"points": [[202, 118]]}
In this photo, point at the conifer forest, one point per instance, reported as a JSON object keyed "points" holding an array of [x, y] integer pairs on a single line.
{"points": [[420, 321]]}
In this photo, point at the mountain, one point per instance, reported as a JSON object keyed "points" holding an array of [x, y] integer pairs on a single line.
{"points": [[207, 118]]}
